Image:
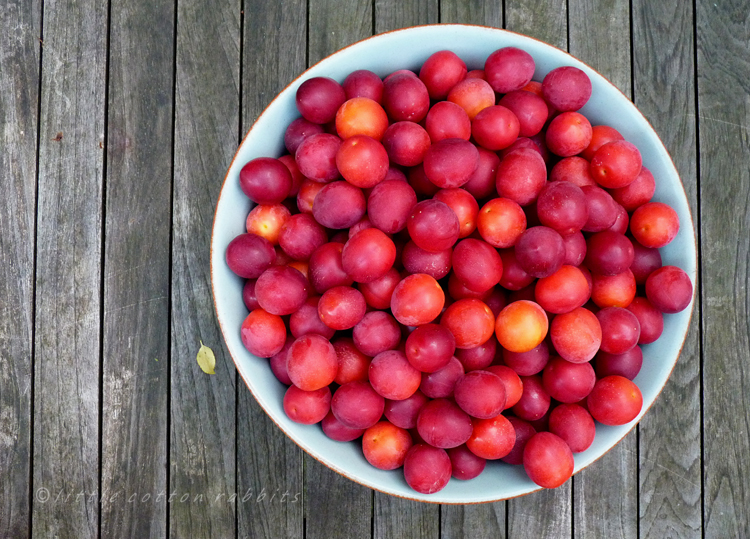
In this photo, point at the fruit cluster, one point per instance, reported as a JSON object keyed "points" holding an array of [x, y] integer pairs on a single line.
{"points": [[455, 266]]}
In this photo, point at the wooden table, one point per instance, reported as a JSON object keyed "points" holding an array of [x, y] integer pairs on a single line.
{"points": [[119, 120]]}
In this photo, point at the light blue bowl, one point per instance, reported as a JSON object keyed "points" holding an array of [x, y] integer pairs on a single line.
{"points": [[383, 54]]}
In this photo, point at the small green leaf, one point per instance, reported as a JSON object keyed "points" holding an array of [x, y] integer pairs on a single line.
{"points": [[206, 359]]}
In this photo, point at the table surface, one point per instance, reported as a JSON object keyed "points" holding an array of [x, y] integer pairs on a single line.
{"points": [[119, 120]]}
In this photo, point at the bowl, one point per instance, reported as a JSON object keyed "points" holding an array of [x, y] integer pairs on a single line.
{"points": [[383, 54]]}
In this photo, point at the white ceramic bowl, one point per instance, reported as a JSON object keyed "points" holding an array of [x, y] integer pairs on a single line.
{"points": [[383, 54]]}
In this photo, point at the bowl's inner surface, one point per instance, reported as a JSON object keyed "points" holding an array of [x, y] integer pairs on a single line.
{"points": [[409, 49]]}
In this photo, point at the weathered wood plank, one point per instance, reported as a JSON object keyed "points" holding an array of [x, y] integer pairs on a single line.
{"points": [[606, 494], [68, 279], [334, 24], [599, 34], [483, 12], [547, 513], [397, 517], [136, 270], [480, 521], [670, 445], [203, 426], [546, 21], [723, 63], [268, 463], [274, 52], [334, 505], [393, 14], [19, 94]]}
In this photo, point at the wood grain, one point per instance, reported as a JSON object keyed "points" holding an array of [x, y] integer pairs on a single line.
{"points": [[203, 425], [394, 14], [723, 61], [397, 517], [670, 434], [68, 279], [546, 513], [483, 12], [268, 463], [335, 505], [274, 52], [136, 270], [479, 521], [106, 216], [599, 34], [334, 24], [19, 94], [546, 21], [606, 494]]}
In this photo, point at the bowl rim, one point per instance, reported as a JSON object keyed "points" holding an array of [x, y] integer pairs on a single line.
{"points": [[331, 465]]}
